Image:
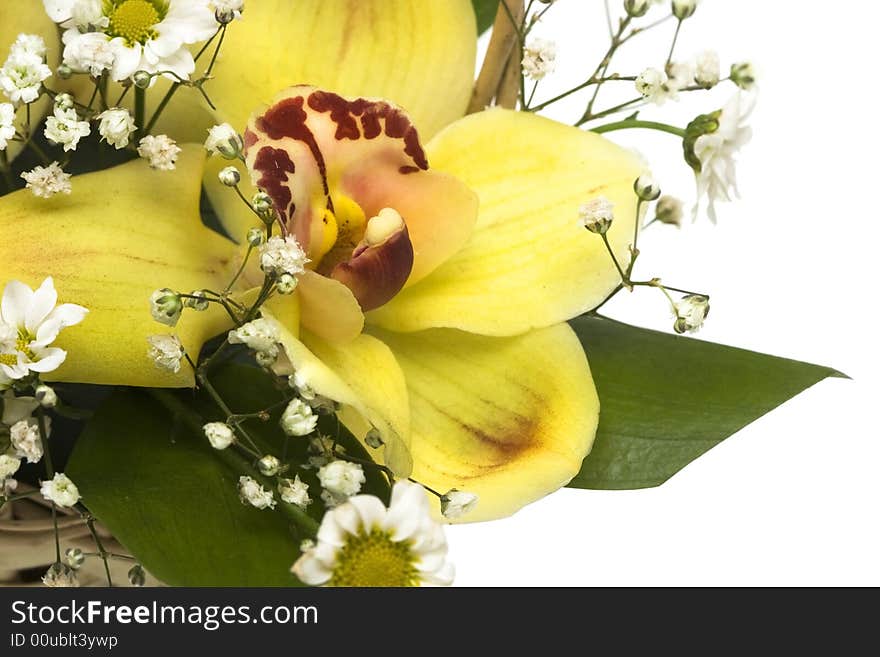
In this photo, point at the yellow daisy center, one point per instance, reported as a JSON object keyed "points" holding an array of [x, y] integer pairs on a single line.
{"points": [[8, 359], [22, 344], [375, 560], [134, 20]]}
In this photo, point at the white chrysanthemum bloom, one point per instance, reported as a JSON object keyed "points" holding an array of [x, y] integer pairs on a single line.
{"points": [[539, 59], [650, 83], [457, 503], [30, 44], [219, 434], [144, 35], [342, 478], [282, 255], [690, 313], [25, 438], [22, 75], [717, 151], [65, 129], [37, 321], [45, 182], [61, 575], [260, 335], [116, 127], [88, 53], [597, 215], [60, 490], [160, 151], [224, 140], [251, 492], [361, 543], [7, 124], [9, 465], [707, 69], [298, 419], [166, 352], [294, 491]]}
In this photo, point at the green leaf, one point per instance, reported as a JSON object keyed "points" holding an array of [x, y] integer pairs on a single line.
{"points": [[666, 400], [153, 480], [485, 10]]}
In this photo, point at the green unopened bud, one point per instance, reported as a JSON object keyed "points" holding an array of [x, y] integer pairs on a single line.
{"points": [[64, 102], [166, 306], [74, 558], [136, 575], [683, 9], [743, 75], [646, 188], [636, 8], [197, 300], [262, 204], [285, 284], [705, 124], [141, 79], [255, 237]]}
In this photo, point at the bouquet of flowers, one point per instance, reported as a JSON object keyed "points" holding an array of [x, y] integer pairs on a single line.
{"points": [[286, 289]]}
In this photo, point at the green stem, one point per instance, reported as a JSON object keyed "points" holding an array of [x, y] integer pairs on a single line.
{"points": [[6, 171], [638, 123], [623, 276], [90, 523], [140, 113], [50, 472], [674, 41]]}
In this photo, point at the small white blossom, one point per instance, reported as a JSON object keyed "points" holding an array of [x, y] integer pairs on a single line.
{"points": [[683, 9], [261, 335], [45, 396], [89, 53], [7, 124], [166, 306], [717, 152], [45, 182], [116, 127], [224, 140], [282, 255], [294, 491], [707, 69], [298, 419], [230, 177], [8, 466], [457, 503], [166, 352], [646, 188], [342, 478], [691, 312], [36, 322], [29, 44], [22, 76], [269, 465], [224, 8], [61, 575], [251, 492], [650, 83], [669, 211], [65, 129], [743, 75], [160, 151], [539, 59], [597, 215], [298, 382], [60, 490], [219, 434]]}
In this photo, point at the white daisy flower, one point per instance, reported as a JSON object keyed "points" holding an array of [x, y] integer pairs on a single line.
{"points": [[36, 321], [362, 543], [144, 35]]}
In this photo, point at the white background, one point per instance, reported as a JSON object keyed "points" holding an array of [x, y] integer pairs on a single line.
{"points": [[793, 498]]}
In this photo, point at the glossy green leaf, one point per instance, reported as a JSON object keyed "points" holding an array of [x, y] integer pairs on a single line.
{"points": [[485, 10], [150, 476], [666, 399]]}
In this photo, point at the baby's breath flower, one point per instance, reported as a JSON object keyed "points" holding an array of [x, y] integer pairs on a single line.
{"points": [[298, 419], [286, 284], [160, 151], [74, 558], [45, 182], [166, 306], [8, 466], [646, 188], [269, 465], [22, 76], [342, 479], [597, 215], [7, 124], [64, 102], [282, 255], [89, 53], [225, 141], [29, 44], [25, 437], [219, 434], [251, 492], [60, 575], [457, 503], [707, 69], [65, 129], [650, 83], [226, 11], [229, 176], [166, 352], [539, 59], [255, 236], [60, 490], [116, 127], [294, 491], [691, 312], [261, 335], [300, 383]]}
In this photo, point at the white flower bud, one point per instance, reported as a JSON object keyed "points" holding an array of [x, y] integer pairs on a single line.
{"points": [[457, 503], [141, 79], [229, 176], [691, 312], [197, 300], [285, 284], [74, 558], [637, 8], [45, 396], [166, 306], [269, 465], [255, 236], [298, 419], [137, 576], [219, 434], [64, 72], [64, 102], [669, 211], [223, 139], [683, 9], [597, 215], [646, 188], [743, 75], [707, 69]]}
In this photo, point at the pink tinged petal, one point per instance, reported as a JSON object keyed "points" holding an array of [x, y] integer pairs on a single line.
{"points": [[16, 300], [311, 571], [43, 301], [48, 360]]}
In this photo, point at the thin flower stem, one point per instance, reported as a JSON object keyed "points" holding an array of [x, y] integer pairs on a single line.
{"points": [[35, 147], [608, 20], [674, 41], [426, 487], [124, 93], [50, 472], [19, 496], [638, 123], [111, 555], [581, 87], [602, 69], [94, 95], [6, 171], [241, 269], [212, 392], [635, 244], [140, 113], [216, 52], [620, 271], [90, 523]]}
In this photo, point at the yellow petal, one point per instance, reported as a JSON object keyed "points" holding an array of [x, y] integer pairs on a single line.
{"points": [[29, 18], [418, 53], [362, 375], [121, 234], [509, 419], [328, 308], [529, 263]]}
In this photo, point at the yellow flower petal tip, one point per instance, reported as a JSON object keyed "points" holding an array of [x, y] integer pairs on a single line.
{"points": [[417, 53], [121, 234], [531, 175], [510, 419]]}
